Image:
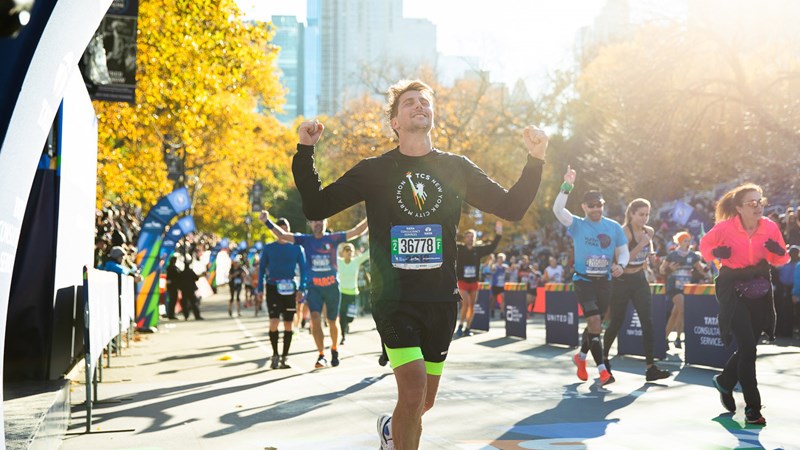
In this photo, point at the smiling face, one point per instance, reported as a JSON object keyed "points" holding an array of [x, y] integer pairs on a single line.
{"points": [[593, 210], [751, 207], [414, 113]]}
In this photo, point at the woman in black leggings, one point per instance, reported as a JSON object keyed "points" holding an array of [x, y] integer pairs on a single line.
{"points": [[632, 286]]}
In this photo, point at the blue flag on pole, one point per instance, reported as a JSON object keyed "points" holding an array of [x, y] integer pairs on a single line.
{"points": [[681, 212]]}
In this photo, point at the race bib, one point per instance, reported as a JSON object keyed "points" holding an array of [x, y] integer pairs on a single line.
{"points": [[285, 287], [351, 310], [417, 247], [321, 263], [470, 272], [597, 265], [501, 280], [681, 281]]}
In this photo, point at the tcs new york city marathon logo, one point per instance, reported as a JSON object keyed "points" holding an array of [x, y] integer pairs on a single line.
{"points": [[419, 194]]}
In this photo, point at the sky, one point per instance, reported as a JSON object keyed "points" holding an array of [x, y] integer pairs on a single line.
{"points": [[512, 39]]}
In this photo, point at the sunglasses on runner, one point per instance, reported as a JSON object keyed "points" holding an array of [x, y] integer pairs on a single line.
{"points": [[595, 205], [756, 203]]}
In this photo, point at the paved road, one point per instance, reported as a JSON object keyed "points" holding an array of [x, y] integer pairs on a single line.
{"points": [[207, 385]]}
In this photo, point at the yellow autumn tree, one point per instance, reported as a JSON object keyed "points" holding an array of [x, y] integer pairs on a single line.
{"points": [[203, 73]]}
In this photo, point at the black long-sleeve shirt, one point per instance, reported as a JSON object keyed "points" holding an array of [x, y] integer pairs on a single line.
{"points": [[403, 190], [468, 261]]}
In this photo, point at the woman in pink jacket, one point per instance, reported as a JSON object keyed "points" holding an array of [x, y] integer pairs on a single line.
{"points": [[747, 244]]}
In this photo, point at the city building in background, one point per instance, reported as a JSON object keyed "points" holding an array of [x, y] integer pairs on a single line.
{"points": [[327, 61], [289, 36], [357, 34], [312, 60]]}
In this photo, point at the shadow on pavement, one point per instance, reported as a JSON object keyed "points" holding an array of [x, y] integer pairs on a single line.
{"points": [[495, 343], [286, 410], [576, 418], [748, 435], [179, 396]]}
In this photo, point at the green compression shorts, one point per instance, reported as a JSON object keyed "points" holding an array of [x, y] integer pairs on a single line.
{"points": [[400, 356]]}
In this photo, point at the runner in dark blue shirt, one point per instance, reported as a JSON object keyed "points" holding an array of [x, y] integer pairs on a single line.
{"points": [[282, 259]]}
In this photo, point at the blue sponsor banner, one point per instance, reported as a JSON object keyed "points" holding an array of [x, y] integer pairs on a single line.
{"points": [[702, 340], [516, 314], [561, 317], [159, 216], [629, 340], [480, 318], [175, 233], [149, 248]]}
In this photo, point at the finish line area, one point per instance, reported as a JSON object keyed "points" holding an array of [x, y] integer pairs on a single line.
{"points": [[207, 384]]}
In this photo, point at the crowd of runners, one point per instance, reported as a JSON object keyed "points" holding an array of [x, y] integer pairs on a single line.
{"points": [[424, 272]]}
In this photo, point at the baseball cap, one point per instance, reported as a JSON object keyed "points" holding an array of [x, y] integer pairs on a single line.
{"points": [[116, 252], [592, 196]]}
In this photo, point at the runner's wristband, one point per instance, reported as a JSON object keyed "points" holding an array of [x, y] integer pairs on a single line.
{"points": [[566, 187], [270, 224]]}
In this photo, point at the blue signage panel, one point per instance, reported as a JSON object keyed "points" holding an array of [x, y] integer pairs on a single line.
{"points": [[629, 340], [516, 314], [702, 341], [561, 318], [480, 320]]}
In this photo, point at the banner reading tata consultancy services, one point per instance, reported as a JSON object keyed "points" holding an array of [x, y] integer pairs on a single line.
{"points": [[148, 248]]}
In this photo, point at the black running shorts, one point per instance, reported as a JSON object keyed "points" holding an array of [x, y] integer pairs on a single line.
{"points": [[278, 305], [427, 325], [594, 296]]}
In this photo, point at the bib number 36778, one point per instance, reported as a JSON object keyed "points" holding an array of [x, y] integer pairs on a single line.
{"points": [[417, 247]]}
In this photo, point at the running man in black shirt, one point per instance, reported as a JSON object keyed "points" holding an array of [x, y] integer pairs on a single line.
{"points": [[468, 262], [413, 195]]}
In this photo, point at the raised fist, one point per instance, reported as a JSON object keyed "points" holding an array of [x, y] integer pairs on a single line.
{"points": [[498, 228], [536, 141], [310, 132], [263, 216]]}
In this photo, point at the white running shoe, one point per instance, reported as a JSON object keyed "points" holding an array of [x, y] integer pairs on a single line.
{"points": [[385, 431]]}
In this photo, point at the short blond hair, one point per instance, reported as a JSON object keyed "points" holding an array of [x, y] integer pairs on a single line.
{"points": [[400, 88]]}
